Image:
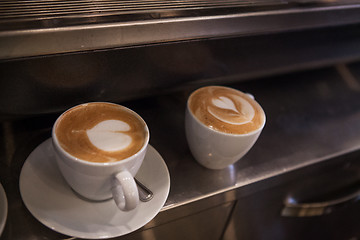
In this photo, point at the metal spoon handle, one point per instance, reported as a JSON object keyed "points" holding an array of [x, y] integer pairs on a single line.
{"points": [[145, 194]]}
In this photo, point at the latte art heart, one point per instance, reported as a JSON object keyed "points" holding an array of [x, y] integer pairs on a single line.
{"points": [[101, 132], [226, 110], [239, 115], [110, 135], [225, 103]]}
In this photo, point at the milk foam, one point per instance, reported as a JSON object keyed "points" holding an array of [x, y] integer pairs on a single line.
{"points": [[226, 110], [237, 116], [110, 135], [224, 103]]}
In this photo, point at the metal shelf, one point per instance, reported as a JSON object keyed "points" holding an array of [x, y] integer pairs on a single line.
{"points": [[51, 9], [312, 117], [35, 28]]}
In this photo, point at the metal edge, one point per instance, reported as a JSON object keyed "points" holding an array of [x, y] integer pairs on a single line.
{"points": [[37, 42]]}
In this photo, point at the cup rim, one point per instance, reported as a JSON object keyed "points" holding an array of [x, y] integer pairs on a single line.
{"points": [[79, 160], [217, 131]]}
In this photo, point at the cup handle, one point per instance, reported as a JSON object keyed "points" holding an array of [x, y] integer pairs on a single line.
{"points": [[250, 95], [124, 191]]}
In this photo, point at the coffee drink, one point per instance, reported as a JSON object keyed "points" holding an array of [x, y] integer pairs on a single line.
{"points": [[101, 132], [226, 110]]}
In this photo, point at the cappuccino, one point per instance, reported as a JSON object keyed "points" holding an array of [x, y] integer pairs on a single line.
{"points": [[226, 110], [101, 132]]}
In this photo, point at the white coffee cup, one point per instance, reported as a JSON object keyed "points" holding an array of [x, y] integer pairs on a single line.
{"points": [[215, 149], [99, 181]]}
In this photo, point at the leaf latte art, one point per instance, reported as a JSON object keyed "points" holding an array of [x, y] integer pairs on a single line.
{"points": [[226, 110]]}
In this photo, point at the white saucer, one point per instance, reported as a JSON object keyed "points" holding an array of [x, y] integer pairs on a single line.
{"points": [[3, 209], [50, 200]]}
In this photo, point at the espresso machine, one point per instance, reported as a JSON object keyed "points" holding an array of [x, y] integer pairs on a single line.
{"points": [[298, 58]]}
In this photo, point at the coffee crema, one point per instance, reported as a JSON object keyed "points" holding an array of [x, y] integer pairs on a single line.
{"points": [[101, 132], [226, 110]]}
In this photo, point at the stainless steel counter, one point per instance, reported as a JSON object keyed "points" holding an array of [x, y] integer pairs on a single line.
{"points": [[311, 117]]}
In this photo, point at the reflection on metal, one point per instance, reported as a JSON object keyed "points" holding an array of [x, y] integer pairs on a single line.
{"points": [[9, 141], [69, 28], [294, 209], [147, 235], [34, 9], [303, 128], [145, 194], [348, 77]]}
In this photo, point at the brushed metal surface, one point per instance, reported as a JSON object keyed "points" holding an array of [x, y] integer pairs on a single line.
{"points": [[312, 117], [208, 224], [34, 9], [51, 84], [260, 215], [67, 35]]}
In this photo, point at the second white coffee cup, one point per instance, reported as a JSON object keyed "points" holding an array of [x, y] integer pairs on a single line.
{"points": [[211, 146], [99, 181]]}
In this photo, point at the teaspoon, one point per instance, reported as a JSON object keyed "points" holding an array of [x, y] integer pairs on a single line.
{"points": [[145, 194]]}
